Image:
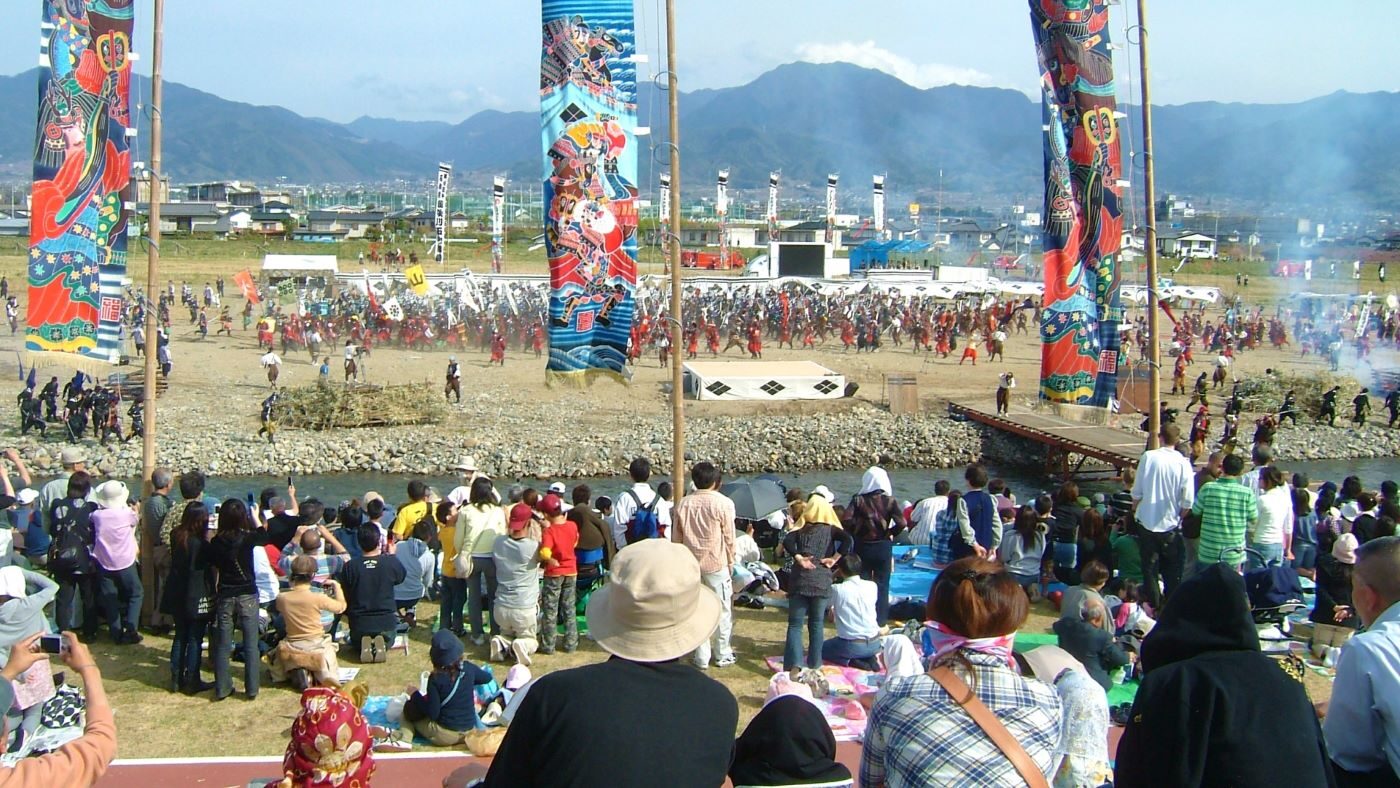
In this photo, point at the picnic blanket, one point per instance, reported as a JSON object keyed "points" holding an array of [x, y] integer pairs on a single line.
{"points": [[842, 708], [912, 580], [376, 708]]}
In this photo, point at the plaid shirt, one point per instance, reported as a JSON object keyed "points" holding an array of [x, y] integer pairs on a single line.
{"points": [[945, 525], [919, 736], [1226, 508]]}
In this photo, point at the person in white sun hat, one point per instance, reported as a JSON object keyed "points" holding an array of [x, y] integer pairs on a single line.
{"points": [[653, 611]]}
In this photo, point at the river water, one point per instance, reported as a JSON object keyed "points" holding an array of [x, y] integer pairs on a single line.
{"points": [[908, 484]]}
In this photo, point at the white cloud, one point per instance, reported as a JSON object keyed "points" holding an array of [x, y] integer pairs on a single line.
{"points": [[870, 55]]}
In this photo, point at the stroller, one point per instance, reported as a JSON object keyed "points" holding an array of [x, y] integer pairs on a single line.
{"points": [[1274, 593]]}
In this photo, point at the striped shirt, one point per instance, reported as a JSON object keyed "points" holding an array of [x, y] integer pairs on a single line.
{"points": [[919, 736], [1226, 508]]}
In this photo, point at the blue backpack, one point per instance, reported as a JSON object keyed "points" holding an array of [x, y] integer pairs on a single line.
{"points": [[644, 523]]}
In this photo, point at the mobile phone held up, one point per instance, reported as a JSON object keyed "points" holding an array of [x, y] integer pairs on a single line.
{"points": [[51, 644]]}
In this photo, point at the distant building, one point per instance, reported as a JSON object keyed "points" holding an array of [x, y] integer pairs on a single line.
{"points": [[187, 217], [14, 228], [354, 224], [1186, 245], [268, 222]]}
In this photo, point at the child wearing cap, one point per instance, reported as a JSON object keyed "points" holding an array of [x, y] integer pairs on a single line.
{"points": [[560, 576], [445, 713]]}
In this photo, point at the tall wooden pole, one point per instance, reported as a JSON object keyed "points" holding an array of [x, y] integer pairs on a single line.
{"points": [[677, 394], [148, 394], [1154, 350]]}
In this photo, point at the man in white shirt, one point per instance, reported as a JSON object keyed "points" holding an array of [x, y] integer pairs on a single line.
{"points": [[1261, 455], [924, 514], [857, 638], [273, 364], [1164, 488], [626, 504]]}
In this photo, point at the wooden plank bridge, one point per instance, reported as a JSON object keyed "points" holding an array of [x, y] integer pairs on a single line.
{"points": [[1104, 446]]}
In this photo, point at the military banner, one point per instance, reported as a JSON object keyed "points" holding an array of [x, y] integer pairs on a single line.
{"points": [[588, 119], [82, 195], [417, 280], [1083, 222], [244, 280]]}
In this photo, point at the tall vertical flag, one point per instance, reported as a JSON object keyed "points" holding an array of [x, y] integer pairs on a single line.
{"points": [[722, 209], [1083, 224], [664, 210], [498, 223], [831, 207], [588, 120], [773, 179], [444, 181], [878, 206], [82, 195]]}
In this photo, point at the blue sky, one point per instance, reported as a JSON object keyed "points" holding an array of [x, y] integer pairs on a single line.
{"points": [[446, 59]]}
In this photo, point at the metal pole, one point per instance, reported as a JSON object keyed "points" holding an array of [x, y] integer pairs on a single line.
{"points": [[1154, 352], [148, 438], [677, 395]]}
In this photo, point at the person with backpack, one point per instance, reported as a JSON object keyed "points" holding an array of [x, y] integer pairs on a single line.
{"points": [[634, 510], [480, 522], [70, 556]]}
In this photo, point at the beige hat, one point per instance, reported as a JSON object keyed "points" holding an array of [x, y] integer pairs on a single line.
{"points": [[72, 455], [1344, 549], [467, 464], [653, 608], [373, 496], [112, 494], [1048, 662], [12, 582]]}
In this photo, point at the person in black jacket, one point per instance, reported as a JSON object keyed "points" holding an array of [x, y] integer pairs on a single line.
{"points": [[1212, 709], [187, 597], [445, 713], [230, 557], [1084, 637]]}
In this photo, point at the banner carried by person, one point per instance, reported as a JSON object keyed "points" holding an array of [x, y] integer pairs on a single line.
{"points": [[82, 194], [588, 119], [287, 291], [417, 280], [393, 310], [249, 288], [1083, 224]]}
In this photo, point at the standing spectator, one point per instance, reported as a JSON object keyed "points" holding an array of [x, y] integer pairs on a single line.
{"points": [[873, 519], [517, 593], [1271, 535], [704, 522], [115, 548], [652, 612], [639, 496], [1162, 490], [230, 555], [560, 576], [1363, 717], [979, 527], [454, 588], [919, 732], [73, 459], [1208, 696], [480, 522], [369, 596], [595, 544], [815, 548], [418, 508], [70, 556], [155, 552], [1226, 508], [187, 598]]}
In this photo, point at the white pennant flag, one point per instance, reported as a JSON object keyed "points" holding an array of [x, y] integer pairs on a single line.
{"points": [[393, 310]]}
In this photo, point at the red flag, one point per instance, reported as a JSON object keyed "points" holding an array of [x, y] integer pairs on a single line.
{"points": [[1168, 310], [244, 280]]}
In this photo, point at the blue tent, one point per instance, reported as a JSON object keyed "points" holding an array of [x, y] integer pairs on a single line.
{"points": [[876, 254]]}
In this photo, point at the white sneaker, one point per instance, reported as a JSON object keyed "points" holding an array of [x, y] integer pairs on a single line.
{"points": [[724, 662], [498, 649], [521, 654], [394, 742]]}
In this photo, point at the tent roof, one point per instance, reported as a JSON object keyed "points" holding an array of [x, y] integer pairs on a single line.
{"points": [[300, 262]]}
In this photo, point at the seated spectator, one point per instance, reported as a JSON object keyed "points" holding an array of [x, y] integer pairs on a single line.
{"points": [[1090, 588], [1212, 710], [330, 745], [1127, 556], [307, 651], [945, 524], [80, 762], [652, 612], [448, 710], [788, 743], [1084, 720], [919, 732], [1332, 606], [369, 583], [1084, 638], [517, 609], [1022, 550], [418, 564], [321, 545], [857, 638], [900, 657], [1362, 733]]}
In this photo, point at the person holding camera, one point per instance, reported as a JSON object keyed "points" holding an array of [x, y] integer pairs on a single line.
{"points": [[84, 760], [307, 651]]}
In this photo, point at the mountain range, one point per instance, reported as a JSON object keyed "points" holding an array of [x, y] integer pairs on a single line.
{"points": [[806, 120]]}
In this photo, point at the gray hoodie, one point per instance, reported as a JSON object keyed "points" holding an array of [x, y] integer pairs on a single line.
{"points": [[20, 618]]}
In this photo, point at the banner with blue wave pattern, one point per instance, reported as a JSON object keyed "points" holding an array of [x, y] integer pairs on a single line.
{"points": [[588, 121]]}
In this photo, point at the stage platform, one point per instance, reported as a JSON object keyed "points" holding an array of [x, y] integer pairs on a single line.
{"points": [[1108, 446], [761, 381]]}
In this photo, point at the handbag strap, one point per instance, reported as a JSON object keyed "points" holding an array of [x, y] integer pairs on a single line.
{"points": [[958, 690]]}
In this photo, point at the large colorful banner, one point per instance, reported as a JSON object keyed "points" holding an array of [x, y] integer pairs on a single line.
{"points": [[588, 120], [82, 184], [1083, 203]]}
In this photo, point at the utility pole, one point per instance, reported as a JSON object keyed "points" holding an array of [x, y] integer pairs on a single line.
{"points": [[1154, 350], [677, 394], [148, 390]]}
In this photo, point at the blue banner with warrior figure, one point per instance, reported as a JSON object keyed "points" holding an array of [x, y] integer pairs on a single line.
{"points": [[588, 119], [1083, 204], [82, 184]]}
